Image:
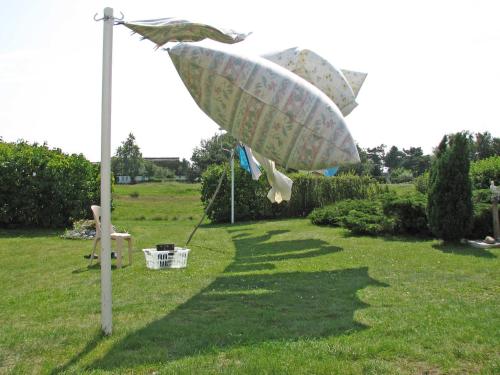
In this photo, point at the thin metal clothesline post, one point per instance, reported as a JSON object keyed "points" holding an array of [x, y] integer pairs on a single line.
{"points": [[232, 186]]}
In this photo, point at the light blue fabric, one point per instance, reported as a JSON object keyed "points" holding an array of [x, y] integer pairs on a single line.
{"points": [[331, 171], [244, 163]]}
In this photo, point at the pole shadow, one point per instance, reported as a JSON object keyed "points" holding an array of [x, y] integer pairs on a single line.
{"points": [[91, 345], [244, 309]]}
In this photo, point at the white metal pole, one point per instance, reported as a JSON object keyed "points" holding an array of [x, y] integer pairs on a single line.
{"points": [[232, 186], [106, 299]]}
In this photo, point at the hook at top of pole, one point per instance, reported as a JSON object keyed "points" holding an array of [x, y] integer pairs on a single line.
{"points": [[105, 18]]}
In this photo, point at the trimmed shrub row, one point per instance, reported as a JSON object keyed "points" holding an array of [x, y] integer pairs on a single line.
{"points": [[308, 192], [482, 172], [393, 214], [44, 187]]}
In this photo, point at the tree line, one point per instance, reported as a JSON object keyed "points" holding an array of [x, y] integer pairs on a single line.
{"points": [[128, 161], [386, 164]]}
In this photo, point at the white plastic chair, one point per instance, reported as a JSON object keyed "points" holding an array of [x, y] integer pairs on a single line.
{"points": [[118, 237]]}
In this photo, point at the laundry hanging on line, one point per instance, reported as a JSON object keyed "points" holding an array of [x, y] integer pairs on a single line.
{"points": [[248, 162]]}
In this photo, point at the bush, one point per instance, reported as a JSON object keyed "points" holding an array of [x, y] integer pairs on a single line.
{"points": [[308, 192], [395, 214], [362, 216], [250, 196], [408, 213], [481, 196], [482, 222], [368, 222], [43, 187], [387, 214], [450, 197], [401, 175], [422, 183], [484, 171], [333, 215]]}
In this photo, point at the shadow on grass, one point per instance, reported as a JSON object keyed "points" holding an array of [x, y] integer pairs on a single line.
{"points": [[96, 339], [462, 249], [244, 309], [250, 267], [30, 233], [389, 237], [96, 267]]}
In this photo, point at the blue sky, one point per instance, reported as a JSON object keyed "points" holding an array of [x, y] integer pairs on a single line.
{"points": [[433, 68]]}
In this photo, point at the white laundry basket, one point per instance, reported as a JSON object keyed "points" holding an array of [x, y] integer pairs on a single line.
{"points": [[157, 260]]}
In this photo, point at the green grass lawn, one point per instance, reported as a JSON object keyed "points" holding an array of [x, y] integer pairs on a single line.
{"points": [[271, 297]]}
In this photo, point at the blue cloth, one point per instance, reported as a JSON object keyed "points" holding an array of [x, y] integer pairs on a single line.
{"points": [[331, 171], [244, 163]]}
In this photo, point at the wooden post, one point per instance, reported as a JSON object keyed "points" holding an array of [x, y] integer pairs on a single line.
{"points": [[496, 223]]}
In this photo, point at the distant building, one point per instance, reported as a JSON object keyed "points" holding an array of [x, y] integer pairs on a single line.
{"points": [[128, 179], [171, 163]]}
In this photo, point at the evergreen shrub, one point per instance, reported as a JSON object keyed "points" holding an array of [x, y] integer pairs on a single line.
{"points": [[408, 212], [449, 206]]}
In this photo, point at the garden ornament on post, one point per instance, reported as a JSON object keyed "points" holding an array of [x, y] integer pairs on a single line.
{"points": [[495, 198]]}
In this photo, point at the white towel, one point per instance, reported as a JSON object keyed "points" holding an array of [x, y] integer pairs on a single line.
{"points": [[281, 185]]}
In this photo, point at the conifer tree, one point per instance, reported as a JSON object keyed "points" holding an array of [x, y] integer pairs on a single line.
{"points": [[449, 206]]}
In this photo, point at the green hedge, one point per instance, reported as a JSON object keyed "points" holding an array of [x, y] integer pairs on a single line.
{"points": [[387, 213], [482, 172], [395, 214], [308, 192], [44, 187]]}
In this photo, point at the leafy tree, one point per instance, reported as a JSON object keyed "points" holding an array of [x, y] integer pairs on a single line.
{"points": [[393, 158], [128, 159], [371, 162], [152, 170], [496, 146], [182, 169], [450, 194], [377, 156], [211, 151], [415, 160], [484, 145], [357, 168]]}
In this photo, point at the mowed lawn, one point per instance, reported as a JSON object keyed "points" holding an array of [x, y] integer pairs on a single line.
{"points": [[270, 297]]}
